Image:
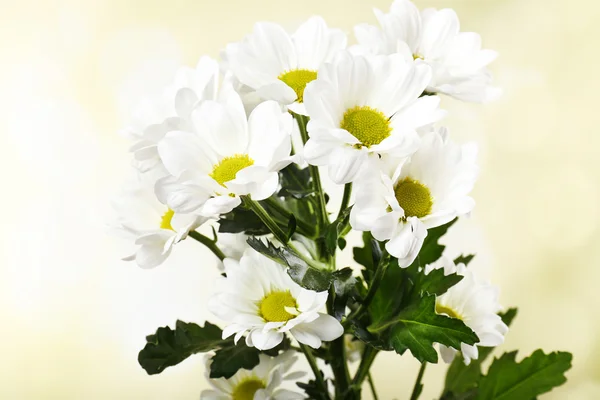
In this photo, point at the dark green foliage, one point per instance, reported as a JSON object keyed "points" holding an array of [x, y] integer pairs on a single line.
{"points": [[418, 326], [228, 360], [539, 373], [336, 230], [169, 347], [308, 277], [241, 220]]}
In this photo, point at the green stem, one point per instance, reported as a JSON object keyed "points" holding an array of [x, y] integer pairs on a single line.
{"points": [[363, 369], [372, 386], [305, 228], [212, 245], [418, 386], [316, 177], [345, 198], [277, 231], [375, 282], [266, 219], [315, 368]]}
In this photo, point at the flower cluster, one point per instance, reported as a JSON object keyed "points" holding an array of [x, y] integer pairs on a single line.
{"points": [[216, 149]]}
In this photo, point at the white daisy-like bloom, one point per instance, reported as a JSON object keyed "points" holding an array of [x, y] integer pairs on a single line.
{"points": [[151, 226], [399, 200], [473, 301], [225, 156], [260, 300], [278, 65], [261, 383], [366, 106], [171, 111], [433, 36]]}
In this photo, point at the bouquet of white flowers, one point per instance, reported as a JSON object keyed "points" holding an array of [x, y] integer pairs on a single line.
{"points": [[240, 141]]}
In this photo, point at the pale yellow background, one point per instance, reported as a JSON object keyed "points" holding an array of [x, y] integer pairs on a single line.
{"points": [[74, 316]]}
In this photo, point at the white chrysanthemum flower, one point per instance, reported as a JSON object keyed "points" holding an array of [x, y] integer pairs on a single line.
{"points": [[433, 36], [227, 155], [473, 301], [399, 201], [279, 65], [261, 383], [171, 111], [153, 227], [366, 106], [259, 298]]}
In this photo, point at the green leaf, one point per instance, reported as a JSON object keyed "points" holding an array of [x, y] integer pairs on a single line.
{"points": [[228, 360], [241, 220], [462, 259], [313, 390], [368, 255], [335, 230], [343, 284], [233, 357], [418, 326], [462, 378], [169, 347], [388, 298], [295, 182], [435, 282], [291, 228], [539, 373], [362, 334], [308, 277]]}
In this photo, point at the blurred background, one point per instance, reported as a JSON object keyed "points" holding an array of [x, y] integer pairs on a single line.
{"points": [[74, 316]]}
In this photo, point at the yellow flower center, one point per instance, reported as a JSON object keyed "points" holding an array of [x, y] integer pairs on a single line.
{"points": [[367, 124], [165, 222], [440, 309], [228, 167], [246, 389], [414, 198], [297, 79], [272, 306], [418, 57]]}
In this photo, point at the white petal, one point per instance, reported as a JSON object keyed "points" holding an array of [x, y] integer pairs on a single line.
{"points": [[278, 91], [219, 205], [347, 163], [315, 43], [223, 126], [255, 180], [265, 340], [270, 133], [183, 197], [441, 27], [181, 151], [423, 111], [407, 242]]}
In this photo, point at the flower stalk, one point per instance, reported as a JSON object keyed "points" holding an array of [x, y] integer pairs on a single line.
{"points": [[209, 243]]}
